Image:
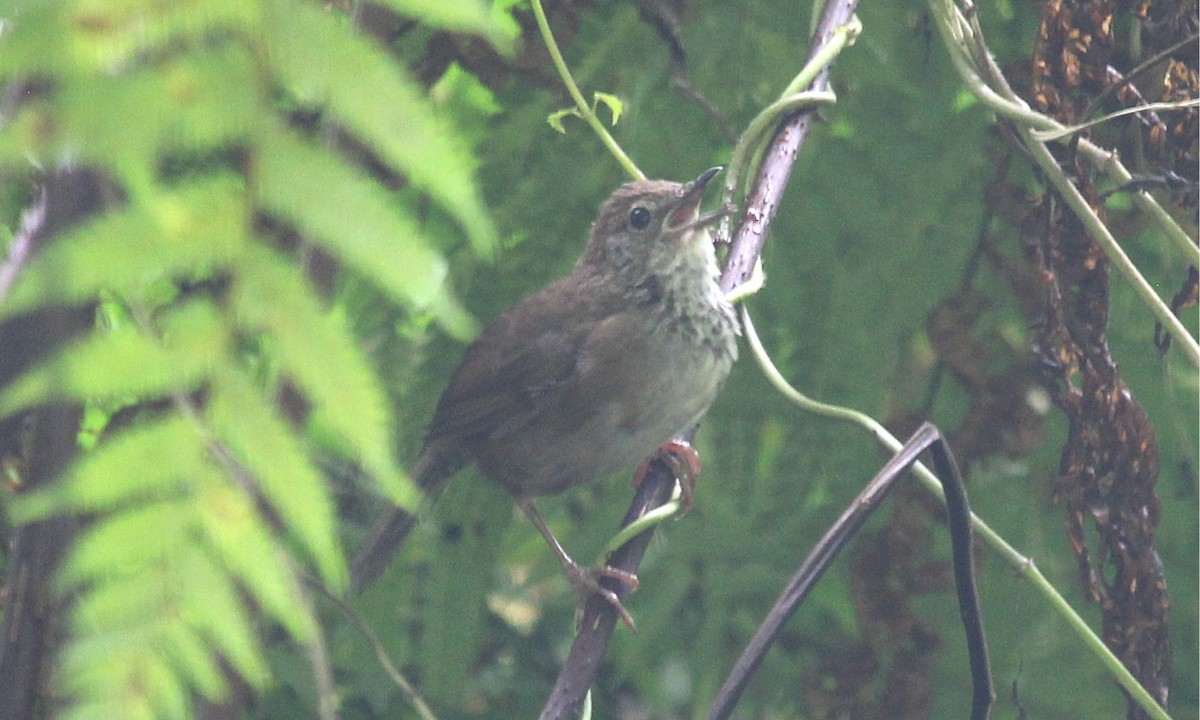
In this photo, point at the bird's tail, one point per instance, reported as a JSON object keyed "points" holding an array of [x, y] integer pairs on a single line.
{"points": [[432, 474]]}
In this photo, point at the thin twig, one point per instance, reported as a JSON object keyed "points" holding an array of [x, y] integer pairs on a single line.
{"points": [[33, 219], [315, 648], [411, 695], [1068, 130]]}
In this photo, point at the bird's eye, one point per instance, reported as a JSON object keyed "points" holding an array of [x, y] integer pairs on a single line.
{"points": [[639, 218]]}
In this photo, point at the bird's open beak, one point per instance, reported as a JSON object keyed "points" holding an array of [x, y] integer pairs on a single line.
{"points": [[685, 214]]}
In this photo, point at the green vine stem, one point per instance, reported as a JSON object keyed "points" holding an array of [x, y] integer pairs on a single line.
{"points": [[792, 98], [1069, 130], [581, 104], [1020, 563]]}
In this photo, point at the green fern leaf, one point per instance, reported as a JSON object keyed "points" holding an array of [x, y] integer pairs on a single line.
{"points": [[193, 516], [106, 709], [125, 363], [271, 296], [121, 603], [264, 444], [178, 234], [368, 92], [117, 649], [194, 659], [144, 462], [210, 601], [63, 37], [350, 216], [240, 538], [205, 102], [129, 541], [464, 16]]}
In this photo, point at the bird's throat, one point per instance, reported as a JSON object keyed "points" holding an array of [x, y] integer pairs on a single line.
{"points": [[693, 305]]}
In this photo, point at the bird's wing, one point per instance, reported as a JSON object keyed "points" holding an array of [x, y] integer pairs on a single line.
{"points": [[524, 359]]}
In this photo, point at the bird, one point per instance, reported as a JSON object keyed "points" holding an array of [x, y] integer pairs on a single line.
{"points": [[588, 375]]}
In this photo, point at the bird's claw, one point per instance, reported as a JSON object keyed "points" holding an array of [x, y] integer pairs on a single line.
{"points": [[586, 581]]}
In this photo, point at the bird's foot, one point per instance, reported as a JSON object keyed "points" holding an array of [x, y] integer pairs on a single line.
{"points": [[586, 581], [684, 463]]}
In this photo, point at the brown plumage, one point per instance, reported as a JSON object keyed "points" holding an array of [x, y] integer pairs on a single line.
{"points": [[590, 374]]}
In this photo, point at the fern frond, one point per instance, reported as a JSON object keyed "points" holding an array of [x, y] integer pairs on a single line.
{"points": [[180, 597], [380, 104], [464, 16], [271, 296], [246, 549], [348, 215], [200, 517], [97, 37], [206, 102], [185, 233], [126, 363], [141, 463], [261, 441]]}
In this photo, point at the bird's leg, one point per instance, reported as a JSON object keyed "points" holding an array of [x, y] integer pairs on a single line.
{"points": [[585, 580], [684, 462]]}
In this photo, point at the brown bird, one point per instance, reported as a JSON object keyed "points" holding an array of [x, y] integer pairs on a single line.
{"points": [[588, 375]]}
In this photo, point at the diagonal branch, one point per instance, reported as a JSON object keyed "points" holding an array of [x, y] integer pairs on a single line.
{"points": [[763, 201]]}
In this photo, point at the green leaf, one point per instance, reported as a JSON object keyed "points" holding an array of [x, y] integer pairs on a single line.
{"points": [[141, 653], [193, 659], [373, 96], [200, 101], [140, 609], [147, 461], [350, 216], [612, 102], [555, 119], [127, 542], [213, 604], [125, 362], [466, 103], [196, 102], [174, 234], [105, 709], [121, 602], [56, 36], [463, 16], [453, 317], [273, 297], [248, 425], [242, 540], [461, 91]]}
